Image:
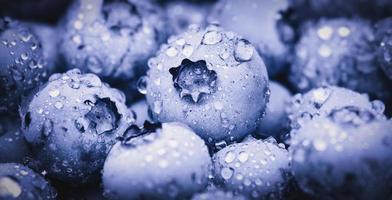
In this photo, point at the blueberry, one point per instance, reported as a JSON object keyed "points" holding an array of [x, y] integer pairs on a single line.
{"points": [[215, 193], [384, 45], [256, 168], [18, 182], [21, 64], [112, 39], [322, 101], [160, 161], [71, 124], [13, 147], [275, 122], [338, 52], [181, 14], [345, 155], [212, 80], [258, 22], [141, 111]]}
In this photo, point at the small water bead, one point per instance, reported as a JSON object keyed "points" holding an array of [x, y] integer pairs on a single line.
{"points": [[227, 173], [157, 107], [187, 50], [320, 145], [77, 39], [243, 50], [142, 85], [171, 51], [24, 56], [320, 96], [218, 105], [344, 31], [58, 105], [243, 156], [54, 93], [211, 37], [78, 24], [230, 156], [324, 51], [325, 32], [378, 106]]}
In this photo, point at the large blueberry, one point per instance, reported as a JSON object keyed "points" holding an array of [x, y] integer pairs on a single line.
{"points": [[71, 124], [212, 80]]}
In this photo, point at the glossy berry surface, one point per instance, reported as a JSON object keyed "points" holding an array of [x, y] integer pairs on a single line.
{"points": [[255, 168], [71, 124], [160, 161], [22, 66], [338, 52], [212, 80], [18, 182], [345, 155]]}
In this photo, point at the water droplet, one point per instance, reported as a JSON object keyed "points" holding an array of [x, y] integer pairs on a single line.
{"points": [[211, 37], [325, 32], [229, 157], [142, 85], [320, 96], [157, 107], [9, 188], [58, 105], [243, 50], [78, 24], [54, 93], [24, 56], [324, 51], [33, 64], [378, 106], [319, 145], [218, 105], [243, 156], [47, 127], [93, 64], [77, 39], [171, 52], [187, 50], [227, 173], [344, 31]]}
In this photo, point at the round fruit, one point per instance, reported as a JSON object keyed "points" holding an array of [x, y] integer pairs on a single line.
{"points": [[257, 21], [256, 168], [18, 182], [346, 155], [338, 52], [161, 161], [112, 39], [71, 124], [212, 80], [384, 45]]}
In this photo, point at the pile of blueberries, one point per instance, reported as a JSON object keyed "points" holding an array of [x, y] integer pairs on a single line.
{"points": [[199, 100]]}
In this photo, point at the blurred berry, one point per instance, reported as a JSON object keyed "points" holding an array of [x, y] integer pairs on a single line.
{"points": [[13, 147], [384, 45]]}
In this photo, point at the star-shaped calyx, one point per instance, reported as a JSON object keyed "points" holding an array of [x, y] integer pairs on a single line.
{"points": [[193, 79]]}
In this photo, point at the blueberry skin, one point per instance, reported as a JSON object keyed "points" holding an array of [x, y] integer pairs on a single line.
{"points": [[338, 52], [112, 39], [182, 14], [48, 35], [22, 66], [171, 162], [215, 193], [346, 155], [140, 108], [256, 21], [13, 147], [255, 168], [324, 100], [212, 80], [71, 124], [275, 122], [384, 45], [18, 182]]}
